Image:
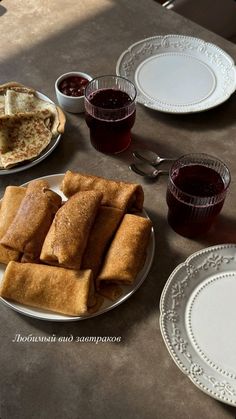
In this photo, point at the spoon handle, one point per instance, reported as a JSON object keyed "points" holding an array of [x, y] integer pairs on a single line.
{"points": [[150, 157], [149, 175]]}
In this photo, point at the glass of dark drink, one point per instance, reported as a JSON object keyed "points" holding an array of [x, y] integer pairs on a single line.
{"points": [[110, 112], [196, 191]]}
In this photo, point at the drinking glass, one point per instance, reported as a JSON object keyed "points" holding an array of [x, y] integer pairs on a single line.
{"points": [[110, 112], [196, 191]]}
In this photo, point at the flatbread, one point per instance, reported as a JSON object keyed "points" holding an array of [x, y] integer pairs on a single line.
{"points": [[2, 105], [12, 85], [19, 102], [27, 124], [23, 137]]}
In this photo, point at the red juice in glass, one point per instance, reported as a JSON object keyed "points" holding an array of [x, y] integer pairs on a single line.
{"points": [[196, 194], [110, 113]]}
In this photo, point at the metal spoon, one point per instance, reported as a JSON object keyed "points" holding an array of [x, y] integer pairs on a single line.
{"points": [[144, 169], [150, 157]]}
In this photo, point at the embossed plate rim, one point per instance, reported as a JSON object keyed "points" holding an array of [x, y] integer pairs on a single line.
{"points": [[54, 183], [133, 56], [220, 260]]}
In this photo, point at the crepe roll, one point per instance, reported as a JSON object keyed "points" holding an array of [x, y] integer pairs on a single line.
{"points": [[67, 238], [110, 291], [52, 288], [31, 223], [10, 204], [104, 227], [116, 194], [127, 252]]}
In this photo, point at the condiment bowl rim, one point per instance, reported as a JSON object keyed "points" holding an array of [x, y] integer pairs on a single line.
{"points": [[71, 73]]}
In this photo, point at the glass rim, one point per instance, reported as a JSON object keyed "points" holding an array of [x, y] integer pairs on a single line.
{"points": [[203, 155], [112, 76]]}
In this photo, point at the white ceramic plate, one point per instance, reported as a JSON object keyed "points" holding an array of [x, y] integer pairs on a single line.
{"points": [[45, 153], [54, 182], [198, 318], [178, 74]]}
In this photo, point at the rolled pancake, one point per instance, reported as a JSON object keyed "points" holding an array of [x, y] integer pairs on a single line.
{"points": [[24, 102], [116, 194], [104, 227], [127, 253], [67, 238], [28, 230], [10, 204], [48, 287]]}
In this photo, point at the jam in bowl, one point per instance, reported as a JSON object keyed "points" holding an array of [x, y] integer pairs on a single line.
{"points": [[70, 88], [73, 86]]}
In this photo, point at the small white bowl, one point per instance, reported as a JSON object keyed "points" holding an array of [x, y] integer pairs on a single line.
{"points": [[71, 103]]}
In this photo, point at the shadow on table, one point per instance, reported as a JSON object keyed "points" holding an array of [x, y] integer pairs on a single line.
{"points": [[230, 409], [158, 146], [220, 117], [222, 231], [3, 10]]}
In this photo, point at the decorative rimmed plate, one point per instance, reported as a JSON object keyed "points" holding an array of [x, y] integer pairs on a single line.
{"points": [[178, 74], [54, 183], [45, 153], [198, 317]]}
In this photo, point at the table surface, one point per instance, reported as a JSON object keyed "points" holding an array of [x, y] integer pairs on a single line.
{"points": [[135, 378]]}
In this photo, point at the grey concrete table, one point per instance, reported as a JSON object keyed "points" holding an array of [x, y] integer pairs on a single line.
{"points": [[135, 378]]}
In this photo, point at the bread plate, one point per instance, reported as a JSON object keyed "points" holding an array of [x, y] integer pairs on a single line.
{"points": [[45, 153]]}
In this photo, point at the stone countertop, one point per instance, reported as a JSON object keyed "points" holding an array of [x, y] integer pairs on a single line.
{"points": [[135, 378]]}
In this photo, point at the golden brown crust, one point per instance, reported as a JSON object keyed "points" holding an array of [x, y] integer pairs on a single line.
{"points": [[9, 85], [10, 204], [23, 137], [67, 238], [62, 120], [122, 195], [32, 221], [47, 287], [126, 255], [104, 227]]}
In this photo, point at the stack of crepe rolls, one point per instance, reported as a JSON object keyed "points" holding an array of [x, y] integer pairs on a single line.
{"points": [[32, 221], [90, 239], [27, 124]]}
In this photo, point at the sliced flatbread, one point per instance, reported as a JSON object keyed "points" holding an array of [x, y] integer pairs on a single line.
{"points": [[2, 105], [23, 137], [23, 102], [11, 85]]}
